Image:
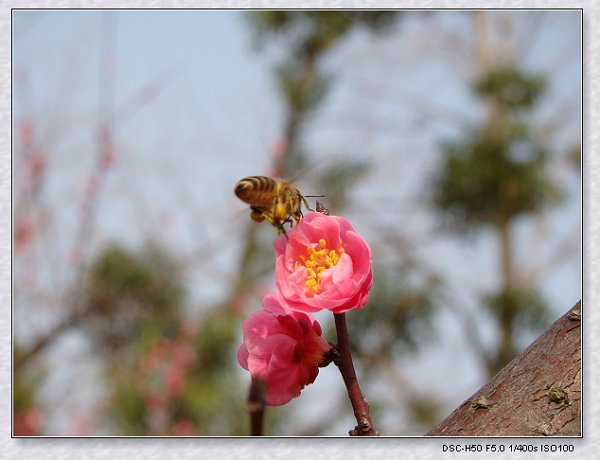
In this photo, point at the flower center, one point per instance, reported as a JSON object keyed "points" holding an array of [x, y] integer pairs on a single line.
{"points": [[317, 262]]}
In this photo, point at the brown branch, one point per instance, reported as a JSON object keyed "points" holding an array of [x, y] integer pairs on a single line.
{"points": [[256, 407], [360, 406], [537, 394], [72, 320]]}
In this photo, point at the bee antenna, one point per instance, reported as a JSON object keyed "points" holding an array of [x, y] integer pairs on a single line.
{"points": [[314, 196]]}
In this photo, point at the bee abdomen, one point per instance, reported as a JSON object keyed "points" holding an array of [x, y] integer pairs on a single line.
{"points": [[248, 188]]}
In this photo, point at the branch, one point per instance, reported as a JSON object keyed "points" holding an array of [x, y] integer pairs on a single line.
{"points": [[73, 319], [537, 393], [360, 406], [256, 407]]}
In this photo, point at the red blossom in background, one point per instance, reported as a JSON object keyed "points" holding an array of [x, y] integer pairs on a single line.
{"points": [[278, 148], [325, 265], [283, 348], [184, 427], [108, 158], [28, 422], [165, 368], [80, 424], [26, 133]]}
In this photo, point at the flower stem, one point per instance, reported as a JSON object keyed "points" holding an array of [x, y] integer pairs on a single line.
{"points": [[360, 406], [256, 407]]}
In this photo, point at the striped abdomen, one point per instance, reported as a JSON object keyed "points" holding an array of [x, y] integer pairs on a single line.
{"points": [[257, 191]]}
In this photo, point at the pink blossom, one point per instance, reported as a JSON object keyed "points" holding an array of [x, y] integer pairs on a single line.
{"points": [[324, 265], [23, 234], [74, 255], [79, 423], [183, 427], [174, 379], [183, 354], [157, 402], [165, 368], [28, 422], [108, 158], [283, 348], [26, 132]]}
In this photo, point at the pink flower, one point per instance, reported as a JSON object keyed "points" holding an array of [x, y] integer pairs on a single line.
{"points": [[28, 422], [283, 348], [324, 265], [183, 427]]}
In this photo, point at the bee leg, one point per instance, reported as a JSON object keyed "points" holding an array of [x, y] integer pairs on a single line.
{"points": [[280, 227], [259, 216], [305, 203]]}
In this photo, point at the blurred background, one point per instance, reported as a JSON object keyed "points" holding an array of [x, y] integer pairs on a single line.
{"points": [[451, 140]]}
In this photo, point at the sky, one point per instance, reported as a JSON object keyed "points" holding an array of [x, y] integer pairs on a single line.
{"points": [[212, 118]]}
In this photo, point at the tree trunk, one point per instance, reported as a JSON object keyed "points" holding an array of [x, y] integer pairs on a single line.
{"points": [[537, 394]]}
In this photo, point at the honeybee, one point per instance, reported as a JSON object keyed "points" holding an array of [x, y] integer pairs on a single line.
{"points": [[273, 200]]}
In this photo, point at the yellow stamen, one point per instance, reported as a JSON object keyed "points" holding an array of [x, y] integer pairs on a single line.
{"points": [[317, 262]]}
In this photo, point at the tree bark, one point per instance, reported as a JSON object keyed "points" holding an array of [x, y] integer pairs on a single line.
{"points": [[537, 394]]}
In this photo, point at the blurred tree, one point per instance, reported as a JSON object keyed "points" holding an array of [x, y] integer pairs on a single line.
{"points": [[28, 416], [135, 301], [495, 174], [133, 297], [306, 37], [169, 377]]}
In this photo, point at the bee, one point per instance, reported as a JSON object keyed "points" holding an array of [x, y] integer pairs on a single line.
{"points": [[273, 200]]}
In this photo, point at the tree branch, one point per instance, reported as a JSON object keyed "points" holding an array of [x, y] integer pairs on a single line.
{"points": [[360, 406], [537, 394]]}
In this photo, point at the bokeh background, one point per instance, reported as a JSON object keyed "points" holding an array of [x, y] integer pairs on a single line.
{"points": [[451, 140]]}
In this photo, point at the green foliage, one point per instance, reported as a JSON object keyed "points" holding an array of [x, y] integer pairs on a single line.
{"points": [[25, 384], [494, 174], [303, 92], [216, 402], [424, 410], [314, 31], [484, 180], [163, 388], [574, 157], [129, 411], [498, 171], [257, 260], [518, 308], [28, 416], [162, 376], [511, 88], [132, 296], [516, 311], [23, 395], [399, 314], [215, 339]]}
